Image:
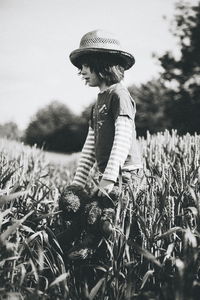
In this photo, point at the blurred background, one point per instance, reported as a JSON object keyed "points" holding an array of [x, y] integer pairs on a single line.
{"points": [[43, 100]]}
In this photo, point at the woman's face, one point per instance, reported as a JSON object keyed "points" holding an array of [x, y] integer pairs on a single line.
{"points": [[90, 77]]}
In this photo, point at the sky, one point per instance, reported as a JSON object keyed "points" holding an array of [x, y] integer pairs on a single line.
{"points": [[37, 36]]}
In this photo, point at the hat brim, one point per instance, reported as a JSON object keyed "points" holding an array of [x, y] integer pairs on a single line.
{"points": [[125, 58]]}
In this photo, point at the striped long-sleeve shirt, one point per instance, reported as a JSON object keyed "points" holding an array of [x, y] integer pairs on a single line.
{"points": [[121, 145], [86, 161]]}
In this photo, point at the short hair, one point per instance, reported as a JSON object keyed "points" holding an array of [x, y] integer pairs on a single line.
{"points": [[107, 67]]}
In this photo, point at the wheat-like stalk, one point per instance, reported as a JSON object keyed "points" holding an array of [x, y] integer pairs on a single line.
{"points": [[154, 243]]}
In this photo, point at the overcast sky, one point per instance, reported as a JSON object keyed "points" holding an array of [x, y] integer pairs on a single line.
{"points": [[37, 36]]}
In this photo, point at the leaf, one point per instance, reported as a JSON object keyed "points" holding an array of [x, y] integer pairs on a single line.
{"points": [[12, 228], [168, 253], [3, 214], [147, 275], [41, 217], [27, 229], [109, 248], [40, 258], [7, 198], [170, 231], [96, 288], [60, 263], [132, 263], [45, 281], [6, 176], [22, 273], [59, 279], [193, 210], [85, 291], [50, 232], [101, 268], [49, 263], [103, 191], [2, 262], [32, 291], [190, 238], [143, 226], [147, 254], [34, 269]]}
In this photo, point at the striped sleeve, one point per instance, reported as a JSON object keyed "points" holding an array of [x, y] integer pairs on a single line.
{"points": [[86, 160], [121, 146]]}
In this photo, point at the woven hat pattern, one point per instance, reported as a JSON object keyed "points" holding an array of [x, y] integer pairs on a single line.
{"points": [[100, 41]]}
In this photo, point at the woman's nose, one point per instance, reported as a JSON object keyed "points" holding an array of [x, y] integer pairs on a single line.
{"points": [[84, 70]]}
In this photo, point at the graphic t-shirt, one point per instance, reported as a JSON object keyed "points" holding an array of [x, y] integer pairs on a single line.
{"points": [[111, 103]]}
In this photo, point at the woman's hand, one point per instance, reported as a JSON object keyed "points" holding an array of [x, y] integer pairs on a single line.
{"points": [[104, 185]]}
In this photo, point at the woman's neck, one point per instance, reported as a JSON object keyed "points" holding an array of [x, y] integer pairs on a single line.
{"points": [[103, 86]]}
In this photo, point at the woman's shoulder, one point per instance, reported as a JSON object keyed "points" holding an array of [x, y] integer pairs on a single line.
{"points": [[122, 97], [114, 89], [117, 92], [121, 91]]}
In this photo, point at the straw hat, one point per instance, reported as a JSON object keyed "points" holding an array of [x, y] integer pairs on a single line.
{"points": [[100, 41]]}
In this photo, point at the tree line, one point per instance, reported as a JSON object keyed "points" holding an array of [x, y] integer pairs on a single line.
{"points": [[172, 100]]}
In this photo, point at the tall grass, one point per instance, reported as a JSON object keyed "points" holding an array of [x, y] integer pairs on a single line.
{"points": [[153, 253]]}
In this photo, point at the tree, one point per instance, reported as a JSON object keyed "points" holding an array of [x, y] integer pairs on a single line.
{"points": [[152, 102], [10, 131], [56, 128], [86, 113], [184, 72]]}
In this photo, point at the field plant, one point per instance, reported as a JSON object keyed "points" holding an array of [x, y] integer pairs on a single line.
{"points": [[152, 253]]}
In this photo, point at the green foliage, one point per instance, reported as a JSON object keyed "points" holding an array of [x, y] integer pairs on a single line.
{"points": [[86, 113], [153, 252], [31, 262], [152, 101], [10, 131], [173, 101], [186, 27], [183, 71], [56, 128]]}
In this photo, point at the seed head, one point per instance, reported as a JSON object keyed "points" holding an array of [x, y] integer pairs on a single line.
{"points": [[69, 202]]}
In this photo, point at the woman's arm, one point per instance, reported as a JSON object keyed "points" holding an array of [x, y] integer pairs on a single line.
{"points": [[86, 160], [120, 149]]}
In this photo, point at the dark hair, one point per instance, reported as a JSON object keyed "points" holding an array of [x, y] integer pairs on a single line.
{"points": [[107, 67]]}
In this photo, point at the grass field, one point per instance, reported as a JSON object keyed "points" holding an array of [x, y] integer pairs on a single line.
{"points": [[162, 261], [60, 158]]}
